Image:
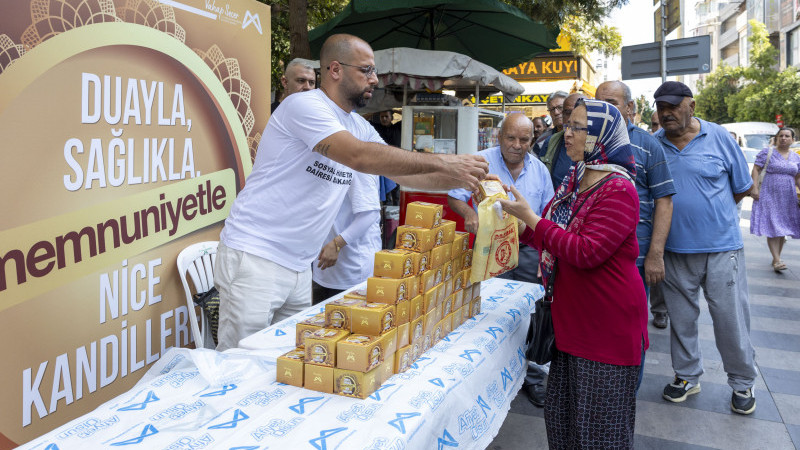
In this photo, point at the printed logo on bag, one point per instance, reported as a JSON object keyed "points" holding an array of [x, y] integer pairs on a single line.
{"points": [[503, 254]]}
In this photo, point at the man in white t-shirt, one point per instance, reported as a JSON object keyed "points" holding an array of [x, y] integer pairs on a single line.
{"points": [[349, 255], [302, 171]]}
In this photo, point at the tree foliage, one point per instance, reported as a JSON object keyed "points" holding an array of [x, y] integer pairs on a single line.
{"points": [[580, 20], [753, 93], [644, 108]]}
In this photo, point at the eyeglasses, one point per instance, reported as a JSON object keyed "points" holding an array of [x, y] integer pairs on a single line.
{"points": [[366, 70], [575, 129], [556, 108]]}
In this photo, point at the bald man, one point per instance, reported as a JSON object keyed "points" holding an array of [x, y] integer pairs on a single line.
{"points": [[299, 76], [553, 150], [512, 162], [304, 166]]}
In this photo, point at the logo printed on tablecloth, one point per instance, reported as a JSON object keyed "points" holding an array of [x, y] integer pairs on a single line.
{"points": [[147, 431], [151, 397]]}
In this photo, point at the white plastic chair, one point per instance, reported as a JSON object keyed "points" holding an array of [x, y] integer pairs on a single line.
{"points": [[198, 261]]}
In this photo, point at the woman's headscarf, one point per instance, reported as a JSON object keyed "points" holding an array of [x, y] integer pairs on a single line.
{"points": [[607, 148]]}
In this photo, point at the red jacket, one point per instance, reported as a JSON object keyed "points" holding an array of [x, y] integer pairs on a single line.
{"points": [[599, 307]]}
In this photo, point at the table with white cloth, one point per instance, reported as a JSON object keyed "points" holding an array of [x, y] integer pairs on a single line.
{"points": [[457, 394]]}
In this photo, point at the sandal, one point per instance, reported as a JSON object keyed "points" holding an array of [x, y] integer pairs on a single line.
{"points": [[778, 266]]}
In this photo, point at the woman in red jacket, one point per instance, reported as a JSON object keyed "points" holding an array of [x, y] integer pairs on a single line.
{"points": [[587, 239]]}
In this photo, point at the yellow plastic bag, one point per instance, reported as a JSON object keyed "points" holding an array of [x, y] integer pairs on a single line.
{"points": [[496, 248]]}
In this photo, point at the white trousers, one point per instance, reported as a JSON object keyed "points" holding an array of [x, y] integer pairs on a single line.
{"points": [[254, 293]]}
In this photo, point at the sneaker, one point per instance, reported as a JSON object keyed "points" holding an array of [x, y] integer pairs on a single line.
{"points": [[743, 402], [660, 320], [678, 390]]}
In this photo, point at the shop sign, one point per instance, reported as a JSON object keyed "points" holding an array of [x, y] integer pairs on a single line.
{"points": [[547, 68], [538, 99]]}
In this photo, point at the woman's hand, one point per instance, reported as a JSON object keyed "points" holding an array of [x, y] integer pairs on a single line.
{"points": [[519, 208], [328, 255], [754, 194]]}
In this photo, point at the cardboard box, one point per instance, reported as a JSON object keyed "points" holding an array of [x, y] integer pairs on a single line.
{"points": [[389, 341], [290, 367], [440, 255], [447, 305], [429, 279], [447, 270], [457, 264], [416, 329], [438, 332], [372, 318], [460, 243], [403, 314], [359, 352], [387, 290], [487, 188], [442, 294], [403, 359], [352, 383], [318, 378], [466, 259], [458, 281], [386, 370], [305, 328], [424, 214], [449, 287], [396, 263], [321, 346], [360, 294], [476, 289], [431, 299], [403, 335], [414, 238], [413, 286], [458, 297], [448, 228], [424, 262], [337, 312], [416, 347], [430, 321], [475, 307], [417, 307], [447, 324]]}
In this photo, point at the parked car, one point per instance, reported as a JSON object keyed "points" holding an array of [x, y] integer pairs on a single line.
{"points": [[751, 136]]}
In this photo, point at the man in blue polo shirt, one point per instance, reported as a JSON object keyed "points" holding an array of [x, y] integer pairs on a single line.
{"points": [[704, 248], [512, 163], [655, 188]]}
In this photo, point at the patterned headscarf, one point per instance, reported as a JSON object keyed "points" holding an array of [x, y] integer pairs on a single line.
{"points": [[607, 148]]}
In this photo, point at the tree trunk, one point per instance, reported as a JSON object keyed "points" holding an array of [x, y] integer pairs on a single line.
{"points": [[298, 30]]}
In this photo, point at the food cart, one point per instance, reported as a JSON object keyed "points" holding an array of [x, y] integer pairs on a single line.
{"points": [[429, 125]]}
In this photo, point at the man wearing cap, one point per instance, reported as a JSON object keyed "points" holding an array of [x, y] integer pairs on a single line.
{"points": [[704, 248]]}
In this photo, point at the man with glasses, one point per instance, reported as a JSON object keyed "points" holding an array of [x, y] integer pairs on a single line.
{"points": [[555, 105], [309, 151], [553, 151], [299, 76]]}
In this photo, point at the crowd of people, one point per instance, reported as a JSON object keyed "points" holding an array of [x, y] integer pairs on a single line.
{"points": [[610, 215]]}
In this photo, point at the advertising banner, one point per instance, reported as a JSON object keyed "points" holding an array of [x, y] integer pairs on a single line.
{"points": [[127, 130]]}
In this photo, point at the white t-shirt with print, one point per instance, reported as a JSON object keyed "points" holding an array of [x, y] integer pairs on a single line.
{"points": [[356, 260], [293, 194]]}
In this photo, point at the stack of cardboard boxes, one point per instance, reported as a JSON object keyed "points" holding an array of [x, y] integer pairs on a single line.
{"points": [[418, 293]]}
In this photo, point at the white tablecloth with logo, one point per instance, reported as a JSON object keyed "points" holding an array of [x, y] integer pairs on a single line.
{"points": [[456, 395]]}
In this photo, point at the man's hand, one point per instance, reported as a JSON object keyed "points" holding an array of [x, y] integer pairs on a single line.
{"points": [[328, 255], [466, 170], [754, 193], [653, 268], [471, 222]]}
